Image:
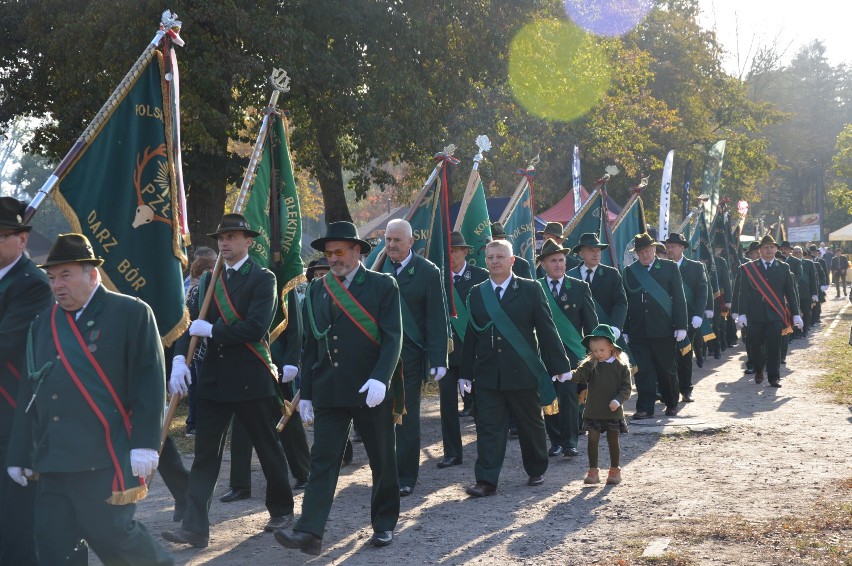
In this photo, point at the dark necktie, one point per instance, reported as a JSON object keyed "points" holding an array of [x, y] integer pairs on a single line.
{"points": [[553, 285], [589, 276], [396, 265], [456, 279], [230, 271], [498, 291]]}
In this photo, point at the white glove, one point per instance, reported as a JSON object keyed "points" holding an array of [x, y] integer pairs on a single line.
{"points": [[734, 317], [742, 321], [617, 332], [626, 339], [201, 328], [728, 306], [143, 461], [797, 320], [180, 378], [824, 288], [19, 475], [814, 298], [708, 314], [289, 373], [465, 387], [614, 405], [375, 392], [679, 335], [563, 377], [438, 373], [696, 322], [306, 409]]}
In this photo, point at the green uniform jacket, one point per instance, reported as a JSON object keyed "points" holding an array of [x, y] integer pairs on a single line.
{"points": [[422, 288], [751, 302], [822, 270], [472, 275], [61, 433], [723, 273], [522, 268], [27, 294], [575, 301], [694, 277], [645, 317], [808, 282], [607, 381], [333, 379], [489, 359], [231, 371], [608, 293]]}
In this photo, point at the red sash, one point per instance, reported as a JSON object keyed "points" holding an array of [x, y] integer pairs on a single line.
{"points": [[760, 283]]}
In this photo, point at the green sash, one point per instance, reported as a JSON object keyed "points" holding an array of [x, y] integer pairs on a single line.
{"points": [[460, 321], [230, 315], [410, 329], [507, 328], [569, 335], [652, 287], [97, 390]]}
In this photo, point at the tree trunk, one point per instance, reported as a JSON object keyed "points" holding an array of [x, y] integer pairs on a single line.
{"points": [[331, 178]]}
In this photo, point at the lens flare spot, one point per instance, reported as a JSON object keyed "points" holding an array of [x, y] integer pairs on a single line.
{"points": [[556, 70], [608, 17]]}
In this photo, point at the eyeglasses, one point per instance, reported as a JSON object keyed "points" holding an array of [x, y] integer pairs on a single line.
{"points": [[338, 253], [4, 235]]}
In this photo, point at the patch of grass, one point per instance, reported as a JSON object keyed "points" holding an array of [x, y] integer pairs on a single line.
{"points": [[832, 355]]}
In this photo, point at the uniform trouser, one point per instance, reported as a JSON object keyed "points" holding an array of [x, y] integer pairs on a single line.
{"points": [[449, 402], [656, 360], [766, 347], [563, 428], [730, 330], [749, 347], [840, 281], [72, 506], [816, 311], [408, 433], [17, 506], [331, 430], [293, 440], [259, 417], [173, 472], [493, 408], [684, 364]]}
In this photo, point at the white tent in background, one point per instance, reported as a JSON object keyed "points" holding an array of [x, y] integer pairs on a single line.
{"points": [[842, 235]]}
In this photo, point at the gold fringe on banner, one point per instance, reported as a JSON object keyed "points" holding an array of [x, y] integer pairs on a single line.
{"points": [[128, 496]]}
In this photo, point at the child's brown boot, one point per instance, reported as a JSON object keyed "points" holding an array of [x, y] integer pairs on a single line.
{"points": [[614, 477], [592, 476]]}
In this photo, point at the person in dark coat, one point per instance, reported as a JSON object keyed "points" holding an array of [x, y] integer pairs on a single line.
{"points": [[237, 379], [24, 292], [510, 326], [354, 341], [555, 232], [656, 323], [90, 415]]}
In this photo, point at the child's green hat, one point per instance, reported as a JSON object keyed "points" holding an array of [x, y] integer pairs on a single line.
{"points": [[601, 331]]}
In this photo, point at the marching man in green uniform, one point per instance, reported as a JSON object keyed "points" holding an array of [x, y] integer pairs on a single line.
{"points": [[24, 292], [237, 380], [514, 353], [573, 311], [90, 414], [354, 339], [694, 279], [656, 323], [465, 276], [425, 330]]}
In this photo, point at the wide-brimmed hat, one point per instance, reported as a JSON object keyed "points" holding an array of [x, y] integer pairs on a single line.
{"points": [[676, 238], [767, 239], [341, 232], [457, 241], [549, 248], [497, 231], [813, 249], [71, 248], [660, 247], [12, 215], [591, 240], [601, 331], [754, 246], [320, 263], [785, 244], [234, 223], [642, 241], [553, 229]]}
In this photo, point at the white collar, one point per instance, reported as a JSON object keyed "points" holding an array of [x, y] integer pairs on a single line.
{"points": [[560, 280], [610, 360], [9, 267], [504, 285], [86, 304], [238, 265], [347, 279], [680, 261], [404, 262], [460, 273]]}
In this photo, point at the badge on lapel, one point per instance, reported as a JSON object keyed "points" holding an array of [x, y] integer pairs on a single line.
{"points": [[467, 275], [515, 284]]}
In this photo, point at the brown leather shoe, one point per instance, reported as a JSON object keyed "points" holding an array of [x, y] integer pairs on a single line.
{"points": [[299, 540], [279, 522], [758, 376], [481, 489], [183, 536]]}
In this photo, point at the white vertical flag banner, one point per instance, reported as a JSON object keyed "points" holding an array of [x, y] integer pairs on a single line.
{"points": [[575, 171], [665, 197]]}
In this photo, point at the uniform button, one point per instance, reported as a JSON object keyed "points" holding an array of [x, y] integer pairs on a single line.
{"points": [[54, 396], [56, 419], [336, 364], [246, 387], [499, 338], [499, 350], [334, 337], [221, 355], [336, 350]]}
